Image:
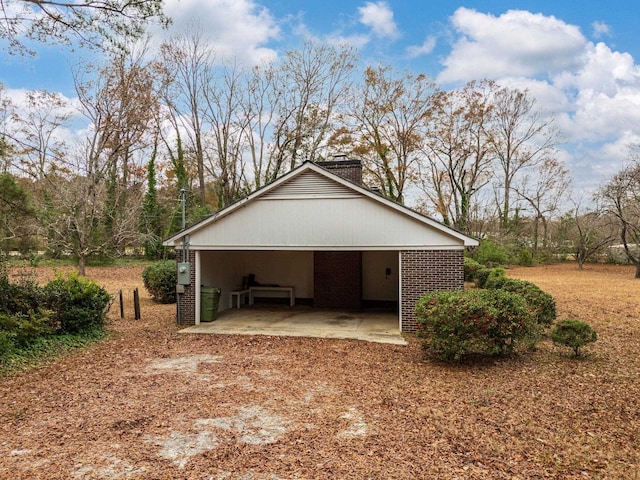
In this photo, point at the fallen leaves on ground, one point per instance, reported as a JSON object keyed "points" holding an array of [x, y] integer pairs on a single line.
{"points": [[152, 403]]}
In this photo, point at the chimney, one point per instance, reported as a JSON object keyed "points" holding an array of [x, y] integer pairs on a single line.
{"points": [[343, 167]]}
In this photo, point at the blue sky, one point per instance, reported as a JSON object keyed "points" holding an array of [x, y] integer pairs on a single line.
{"points": [[579, 59]]}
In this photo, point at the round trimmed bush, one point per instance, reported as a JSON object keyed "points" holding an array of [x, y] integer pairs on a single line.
{"points": [[160, 280], [453, 324], [573, 333], [485, 275], [77, 304], [540, 302]]}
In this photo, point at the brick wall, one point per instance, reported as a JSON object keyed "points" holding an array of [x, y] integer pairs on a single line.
{"points": [[187, 300], [425, 271], [348, 169], [337, 280]]}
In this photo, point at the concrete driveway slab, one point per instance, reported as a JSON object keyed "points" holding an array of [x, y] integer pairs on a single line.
{"points": [[370, 326]]}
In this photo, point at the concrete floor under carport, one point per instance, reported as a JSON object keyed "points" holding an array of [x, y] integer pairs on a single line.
{"points": [[302, 321]]}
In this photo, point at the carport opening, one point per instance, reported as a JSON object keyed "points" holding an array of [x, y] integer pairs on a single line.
{"points": [[346, 280]]}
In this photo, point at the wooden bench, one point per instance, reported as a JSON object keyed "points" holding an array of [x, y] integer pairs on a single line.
{"points": [[273, 292], [280, 292], [239, 295]]}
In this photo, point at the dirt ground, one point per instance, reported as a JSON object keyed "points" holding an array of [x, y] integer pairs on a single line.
{"points": [[150, 403]]}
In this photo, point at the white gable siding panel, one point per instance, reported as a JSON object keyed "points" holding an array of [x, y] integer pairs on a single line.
{"points": [[304, 223], [310, 185]]}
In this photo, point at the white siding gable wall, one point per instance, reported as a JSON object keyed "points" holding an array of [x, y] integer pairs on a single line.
{"points": [[314, 212]]}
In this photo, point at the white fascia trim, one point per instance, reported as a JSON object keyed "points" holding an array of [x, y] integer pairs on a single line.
{"points": [[336, 248]]}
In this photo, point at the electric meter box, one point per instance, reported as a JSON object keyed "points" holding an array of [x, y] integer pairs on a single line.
{"points": [[184, 273]]}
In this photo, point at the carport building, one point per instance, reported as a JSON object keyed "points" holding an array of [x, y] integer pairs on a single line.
{"points": [[318, 235]]}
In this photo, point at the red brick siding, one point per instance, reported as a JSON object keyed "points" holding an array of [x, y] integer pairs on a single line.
{"points": [[186, 309], [337, 280], [425, 271]]}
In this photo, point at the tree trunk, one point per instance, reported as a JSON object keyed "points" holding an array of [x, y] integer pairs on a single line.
{"points": [[637, 270], [81, 265], [535, 235]]}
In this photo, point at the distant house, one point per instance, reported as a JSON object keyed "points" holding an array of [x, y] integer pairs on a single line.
{"points": [[618, 254], [317, 236]]}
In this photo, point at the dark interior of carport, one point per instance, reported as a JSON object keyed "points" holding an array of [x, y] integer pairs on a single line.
{"points": [[350, 280]]}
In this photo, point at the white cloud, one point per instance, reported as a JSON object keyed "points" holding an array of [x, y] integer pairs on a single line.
{"points": [[600, 29], [593, 164], [355, 41], [599, 117], [336, 38], [549, 98], [379, 17], [517, 43], [601, 70], [592, 91], [414, 51], [240, 29]]}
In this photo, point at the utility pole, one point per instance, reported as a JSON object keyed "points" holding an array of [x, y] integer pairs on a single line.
{"points": [[183, 202]]}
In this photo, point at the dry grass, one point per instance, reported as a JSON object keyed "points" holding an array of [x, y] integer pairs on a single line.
{"points": [[152, 403]]}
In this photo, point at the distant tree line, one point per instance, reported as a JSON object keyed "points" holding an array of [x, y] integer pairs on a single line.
{"points": [[482, 158]]}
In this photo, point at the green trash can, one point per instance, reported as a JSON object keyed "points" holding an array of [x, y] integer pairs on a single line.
{"points": [[209, 301]]}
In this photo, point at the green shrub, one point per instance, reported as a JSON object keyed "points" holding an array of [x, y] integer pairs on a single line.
{"points": [[100, 260], [77, 304], [7, 346], [20, 298], [453, 324], [542, 305], [160, 280], [573, 333], [496, 275], [22, 330], [491, 254], [34, 259], [486, 274], [525, 257], [471, 268]]}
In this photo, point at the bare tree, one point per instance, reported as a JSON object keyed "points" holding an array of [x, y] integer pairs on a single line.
{"points": [[622, 199], [90, 22], [120, 103], [385, 125], [92, 201], [259, 115], [6, 147], [590, 231], [457, 152], [37, 138], [228, 131], [309, 84], [188, 72], [520, 137], [74, 209], [543, 189]]}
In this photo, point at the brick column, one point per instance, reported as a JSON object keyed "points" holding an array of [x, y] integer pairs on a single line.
{"points": [[187, 312], [424, 271]]}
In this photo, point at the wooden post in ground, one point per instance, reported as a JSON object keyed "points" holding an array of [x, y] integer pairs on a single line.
{"points": [[121, 304], [136, 304]]}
